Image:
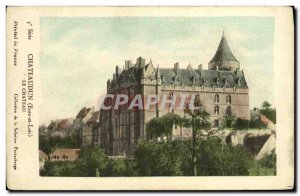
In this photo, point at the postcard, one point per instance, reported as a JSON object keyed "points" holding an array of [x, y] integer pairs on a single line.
{"points": [[150, 98]]}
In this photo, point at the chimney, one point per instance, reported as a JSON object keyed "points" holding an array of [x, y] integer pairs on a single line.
{"points": [[127, 64], [140, 62], [117, 72], [176, 67], [200, 67], [114, 76]]}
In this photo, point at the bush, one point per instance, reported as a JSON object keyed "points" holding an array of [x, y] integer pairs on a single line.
{"points": [[160, 159], [216, 159], [241, 124], [60, 168], [92, 158], [120, 167], [265, 166], [257, 124]]}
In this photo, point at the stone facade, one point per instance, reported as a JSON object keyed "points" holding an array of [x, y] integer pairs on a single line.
{"points": [[222, 91]]}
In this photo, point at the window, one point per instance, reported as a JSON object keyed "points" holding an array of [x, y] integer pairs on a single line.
{"points": [[217, 110], [228, 99], [228, 111], [216, 123], [216, 98]]}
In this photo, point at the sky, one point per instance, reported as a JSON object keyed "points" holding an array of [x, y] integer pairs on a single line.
{"points": [[78, 55]]}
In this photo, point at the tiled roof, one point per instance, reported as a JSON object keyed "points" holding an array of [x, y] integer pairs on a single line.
{"points": [[64, 124], [72, 154], [43, 155]]}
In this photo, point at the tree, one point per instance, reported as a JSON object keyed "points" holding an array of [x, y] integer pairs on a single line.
{"points": [[241, 124], [257, 124], [160, 159], [163, 125], [218, 159], [59, 168], [265, 105], [49, 144], [91, 158], [268, 111], [265, 166], [199, 120]]}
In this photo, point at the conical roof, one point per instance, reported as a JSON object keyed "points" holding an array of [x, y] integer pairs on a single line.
{"points": [[223, 53]]}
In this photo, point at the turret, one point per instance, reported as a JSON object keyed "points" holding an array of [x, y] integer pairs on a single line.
{"points": [[223, 59]]}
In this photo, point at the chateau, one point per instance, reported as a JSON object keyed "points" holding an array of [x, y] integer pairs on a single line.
{"points": [[222, 90]]}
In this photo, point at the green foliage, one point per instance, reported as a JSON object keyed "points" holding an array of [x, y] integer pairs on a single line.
{"points": [[228, 121], [50, 144], [60, 168], [241, 124], [121, 167], [268, 111], [213, 158], [217, 159], [91, 158], [257, 124], [163, 125], [201, 120], [159, 159], [265, 166]]}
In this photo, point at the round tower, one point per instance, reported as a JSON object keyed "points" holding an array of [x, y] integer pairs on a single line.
{"points": [[223, 59]]}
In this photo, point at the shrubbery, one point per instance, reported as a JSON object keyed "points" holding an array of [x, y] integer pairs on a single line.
{"points": [[213, 158]]}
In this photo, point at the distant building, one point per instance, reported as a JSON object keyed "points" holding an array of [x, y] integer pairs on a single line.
{"points": [[60, 127], [87, 125], [43, 157], [222, 91], [64, 155]]}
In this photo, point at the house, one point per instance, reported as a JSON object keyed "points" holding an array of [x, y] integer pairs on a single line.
{"points": [[64, 155]]}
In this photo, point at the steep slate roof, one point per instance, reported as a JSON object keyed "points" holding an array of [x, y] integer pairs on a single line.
{"points": [[207, 78], [94, 118], [83, 112], [223, 53]]}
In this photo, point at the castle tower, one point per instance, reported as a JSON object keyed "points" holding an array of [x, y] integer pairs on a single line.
{"points": [[223, 59]]}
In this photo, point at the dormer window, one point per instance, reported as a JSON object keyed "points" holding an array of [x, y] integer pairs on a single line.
{"points": [[218, 80], [240, 82], [194, 80], [226, 81]]}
